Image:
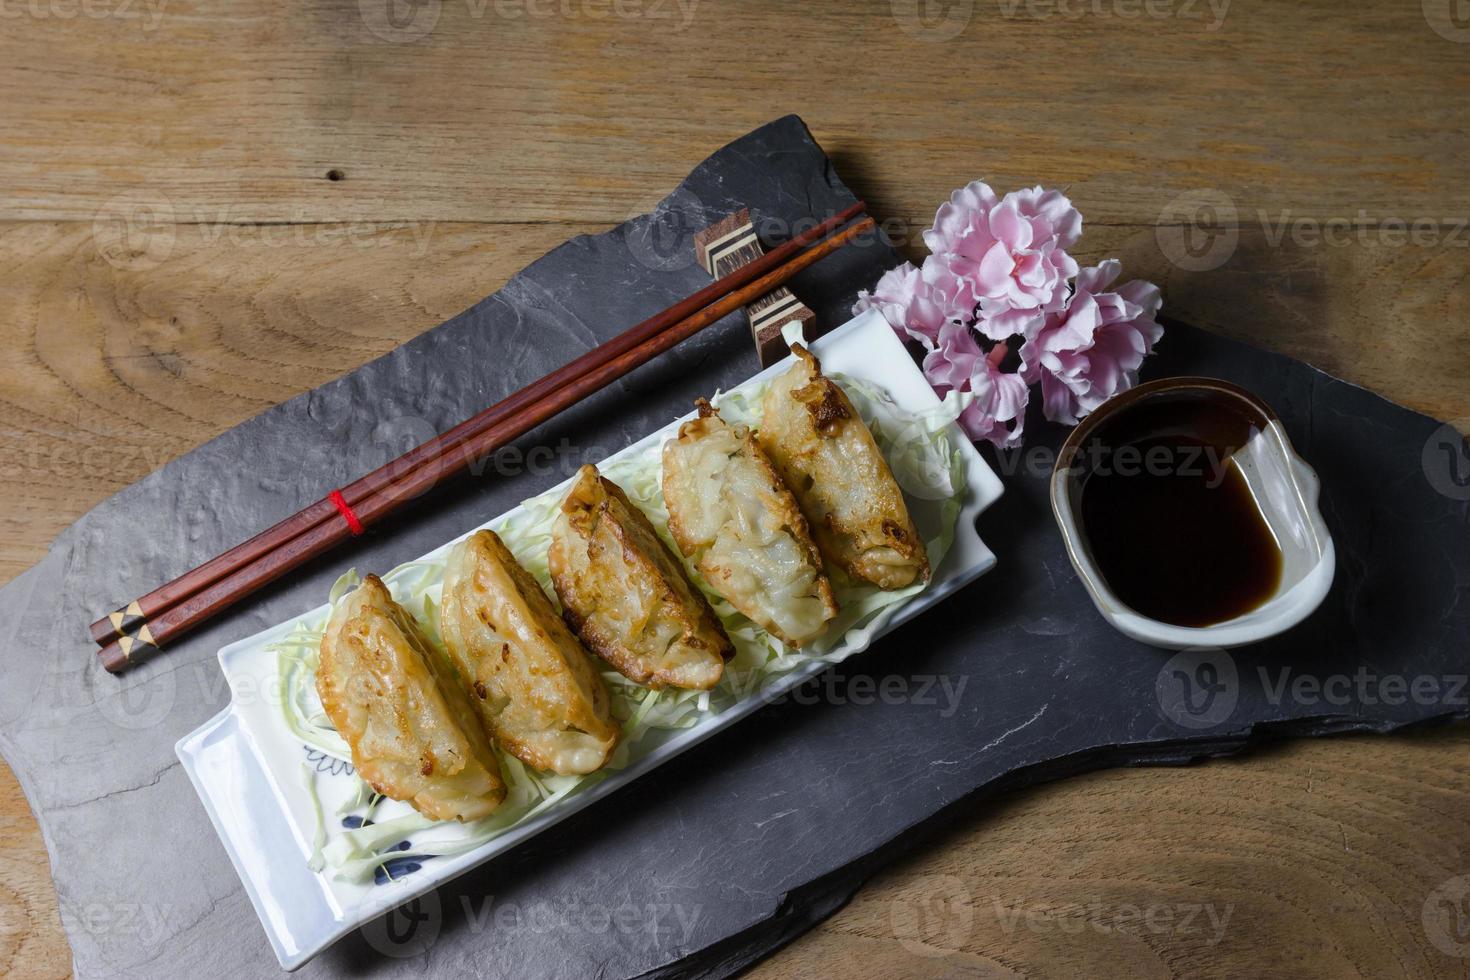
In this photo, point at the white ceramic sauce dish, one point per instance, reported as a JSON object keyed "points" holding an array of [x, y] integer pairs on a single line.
{"points": [[1285, 490]]}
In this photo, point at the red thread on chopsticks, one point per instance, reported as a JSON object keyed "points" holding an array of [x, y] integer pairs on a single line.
{"points": [[340, 502]]}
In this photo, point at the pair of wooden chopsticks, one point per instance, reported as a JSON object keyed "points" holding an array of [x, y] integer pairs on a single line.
{"points": [[137, 631]]}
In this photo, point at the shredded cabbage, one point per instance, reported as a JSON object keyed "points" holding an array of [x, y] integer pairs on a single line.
{"points": [[920, 448]]}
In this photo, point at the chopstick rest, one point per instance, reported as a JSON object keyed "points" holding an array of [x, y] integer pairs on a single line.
{"points": [[731, 243]]}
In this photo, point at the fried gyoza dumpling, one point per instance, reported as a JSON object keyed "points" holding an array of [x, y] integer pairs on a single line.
{"points": [[393, 697], [733, 517], [626, 594], [827, 456], [537, 691]]}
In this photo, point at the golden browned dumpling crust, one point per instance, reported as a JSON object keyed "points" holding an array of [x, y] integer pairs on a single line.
{"points": [[733, 517], [398, 703], [626, 594], [825, 453], [537, 690]]}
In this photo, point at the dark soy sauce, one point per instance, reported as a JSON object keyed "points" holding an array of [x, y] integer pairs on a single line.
{"points": [[1167, 514]]}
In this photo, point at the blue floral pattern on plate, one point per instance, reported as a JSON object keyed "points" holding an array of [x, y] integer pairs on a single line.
{"points": [[391, 869], [329, 764]]}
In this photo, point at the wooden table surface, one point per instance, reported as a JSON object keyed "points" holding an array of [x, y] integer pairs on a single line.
{"points": [[207, 207]]}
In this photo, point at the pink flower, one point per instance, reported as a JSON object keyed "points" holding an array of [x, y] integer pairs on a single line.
{"points": [[916, 302], [1000, 269], [1009, 254], [1092, 350], [958, 364], [951, 363], [904, 299]]}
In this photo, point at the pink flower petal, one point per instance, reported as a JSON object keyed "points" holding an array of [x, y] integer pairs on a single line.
{"points": [[998, 413], [1057, 401], [1099, 277], [993, 276], [1007, 322], [1010, 252], [1092, 349], [1031, 269], [914, 307], [1056, 210], [952, 361], [1007, 225], [960, 221]]}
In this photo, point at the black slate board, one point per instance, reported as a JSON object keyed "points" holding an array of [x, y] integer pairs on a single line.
{"points": [[731, 850]]}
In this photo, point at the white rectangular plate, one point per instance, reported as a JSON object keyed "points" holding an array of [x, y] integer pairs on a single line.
{"points": [[245, 764]]}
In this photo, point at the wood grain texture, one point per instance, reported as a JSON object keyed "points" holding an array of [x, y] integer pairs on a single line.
{"points": [[1311, 859], [555, 110], [176, 259]]}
